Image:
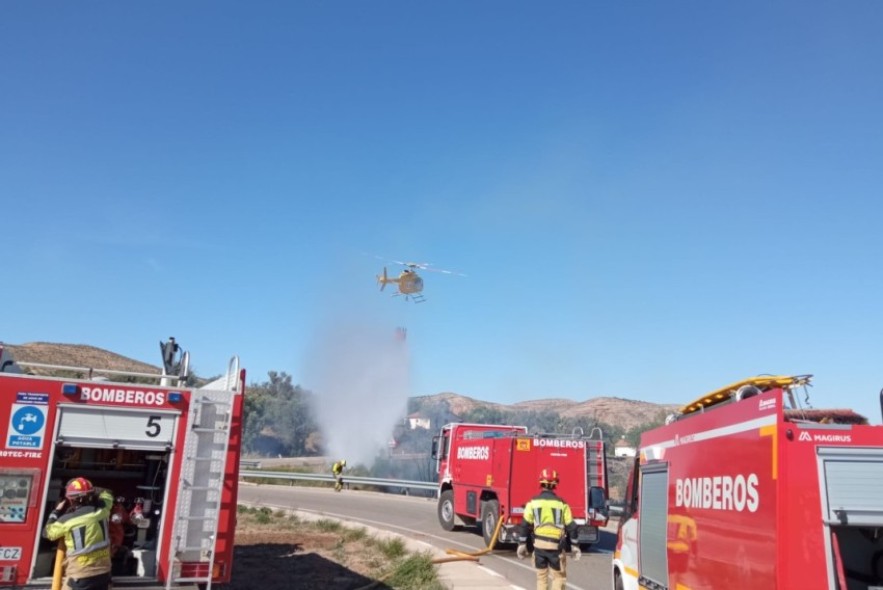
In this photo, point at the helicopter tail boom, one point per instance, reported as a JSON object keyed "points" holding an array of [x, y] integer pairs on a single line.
{"points": [[382, 279]]}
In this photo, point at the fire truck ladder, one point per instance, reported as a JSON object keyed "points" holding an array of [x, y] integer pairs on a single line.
{"points": [[192, 558]]}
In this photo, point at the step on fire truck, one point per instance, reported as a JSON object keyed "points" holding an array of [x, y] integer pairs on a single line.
{"points": [[168, 452], [743, 488], [487, 472]]}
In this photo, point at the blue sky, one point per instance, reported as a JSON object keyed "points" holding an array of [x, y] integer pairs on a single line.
{"points": [[650, 199]]}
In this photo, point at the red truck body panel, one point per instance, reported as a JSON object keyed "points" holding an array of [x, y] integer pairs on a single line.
{"points": [[479, 464], [749, 495]]}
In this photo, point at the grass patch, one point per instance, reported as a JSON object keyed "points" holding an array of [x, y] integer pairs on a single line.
{"points": [[393, 548], [329, 526], [263, 516], [415, 572], [277, 519], [353, 535]]}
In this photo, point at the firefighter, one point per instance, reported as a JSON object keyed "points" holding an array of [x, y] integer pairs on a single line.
{"points": [[337, 470], [549, 520], [82, 520], [170, 359]]}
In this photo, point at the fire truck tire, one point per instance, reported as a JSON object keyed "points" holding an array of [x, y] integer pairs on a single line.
{"points": [[446, 510], [490, 512], [617, 581], [877, 564]]}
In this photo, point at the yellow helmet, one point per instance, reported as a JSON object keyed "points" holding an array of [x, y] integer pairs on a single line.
{"points": [[343, 462]]}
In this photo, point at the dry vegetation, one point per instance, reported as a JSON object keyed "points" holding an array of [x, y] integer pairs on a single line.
{"points": [[76, 355], [275, 551]]}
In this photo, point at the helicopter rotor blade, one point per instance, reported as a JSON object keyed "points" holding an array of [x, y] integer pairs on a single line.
{"points": [[442, 270], [420, 265], [400, 262]]}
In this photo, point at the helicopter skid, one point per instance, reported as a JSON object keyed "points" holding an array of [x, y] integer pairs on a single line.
{"points": [[416, 297]]}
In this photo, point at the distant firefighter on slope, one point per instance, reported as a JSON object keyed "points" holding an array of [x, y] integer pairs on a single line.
{"points": [[337, 471]]}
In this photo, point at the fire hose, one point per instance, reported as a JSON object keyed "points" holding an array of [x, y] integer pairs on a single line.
{"points": [[461, 555], [58, 571]]}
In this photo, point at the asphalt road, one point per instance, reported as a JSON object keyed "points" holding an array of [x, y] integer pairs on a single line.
{"points": [[416, 518]]}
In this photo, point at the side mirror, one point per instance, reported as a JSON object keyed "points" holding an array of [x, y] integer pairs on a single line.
{"points": [[598, 501], [434, 453]]}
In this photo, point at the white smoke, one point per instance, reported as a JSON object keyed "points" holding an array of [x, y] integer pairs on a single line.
{"points": [[359, 376]]}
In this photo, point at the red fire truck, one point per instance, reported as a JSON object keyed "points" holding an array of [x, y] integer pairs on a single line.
{"points": [[487, 472], [168, 452], [744, 488]]}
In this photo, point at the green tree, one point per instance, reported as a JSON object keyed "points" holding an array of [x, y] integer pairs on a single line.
{"points": [[278, 418]]}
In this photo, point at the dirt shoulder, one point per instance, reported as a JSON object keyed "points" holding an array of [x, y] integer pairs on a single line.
{"points": [[285, 551]]}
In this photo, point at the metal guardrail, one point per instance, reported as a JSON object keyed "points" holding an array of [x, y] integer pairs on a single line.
{"points": [[351, 479]]}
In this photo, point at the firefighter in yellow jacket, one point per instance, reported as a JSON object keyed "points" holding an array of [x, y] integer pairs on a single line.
{"points": [[82, 520], [549, 518], [337, 471]]}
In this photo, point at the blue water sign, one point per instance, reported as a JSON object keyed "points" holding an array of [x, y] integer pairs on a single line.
{"points": [[27, 424]]}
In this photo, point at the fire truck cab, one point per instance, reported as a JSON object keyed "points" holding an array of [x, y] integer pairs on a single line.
{"points": [[488, 472], [744, 488], [168, 452]]}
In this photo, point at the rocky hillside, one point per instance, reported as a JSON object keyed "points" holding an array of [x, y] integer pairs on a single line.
{"points": [[609, 410], [74, 355]]}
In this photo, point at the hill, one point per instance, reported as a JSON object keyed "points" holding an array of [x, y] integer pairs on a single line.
{"points": [[74, 355], [616, 411]]}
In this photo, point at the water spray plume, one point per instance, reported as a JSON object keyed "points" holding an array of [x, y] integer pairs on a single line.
{"points": [[360, 377]]}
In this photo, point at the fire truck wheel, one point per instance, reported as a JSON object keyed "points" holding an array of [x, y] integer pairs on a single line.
{"points": [[877, 564], [617, 581], [446, 510], [490, 512]]}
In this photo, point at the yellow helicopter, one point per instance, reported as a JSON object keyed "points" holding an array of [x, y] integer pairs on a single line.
{"points": [[409, 283]]}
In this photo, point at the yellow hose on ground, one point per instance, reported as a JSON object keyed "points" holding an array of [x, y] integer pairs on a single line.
{"points": [[58, 571], [490, 546]]}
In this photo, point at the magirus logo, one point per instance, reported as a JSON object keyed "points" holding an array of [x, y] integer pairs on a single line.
{"points": [[824, 438], [766, 404]]}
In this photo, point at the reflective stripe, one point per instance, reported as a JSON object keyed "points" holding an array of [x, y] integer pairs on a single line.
{"points": [[547, 517], [90, 548], [78, 535]]}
